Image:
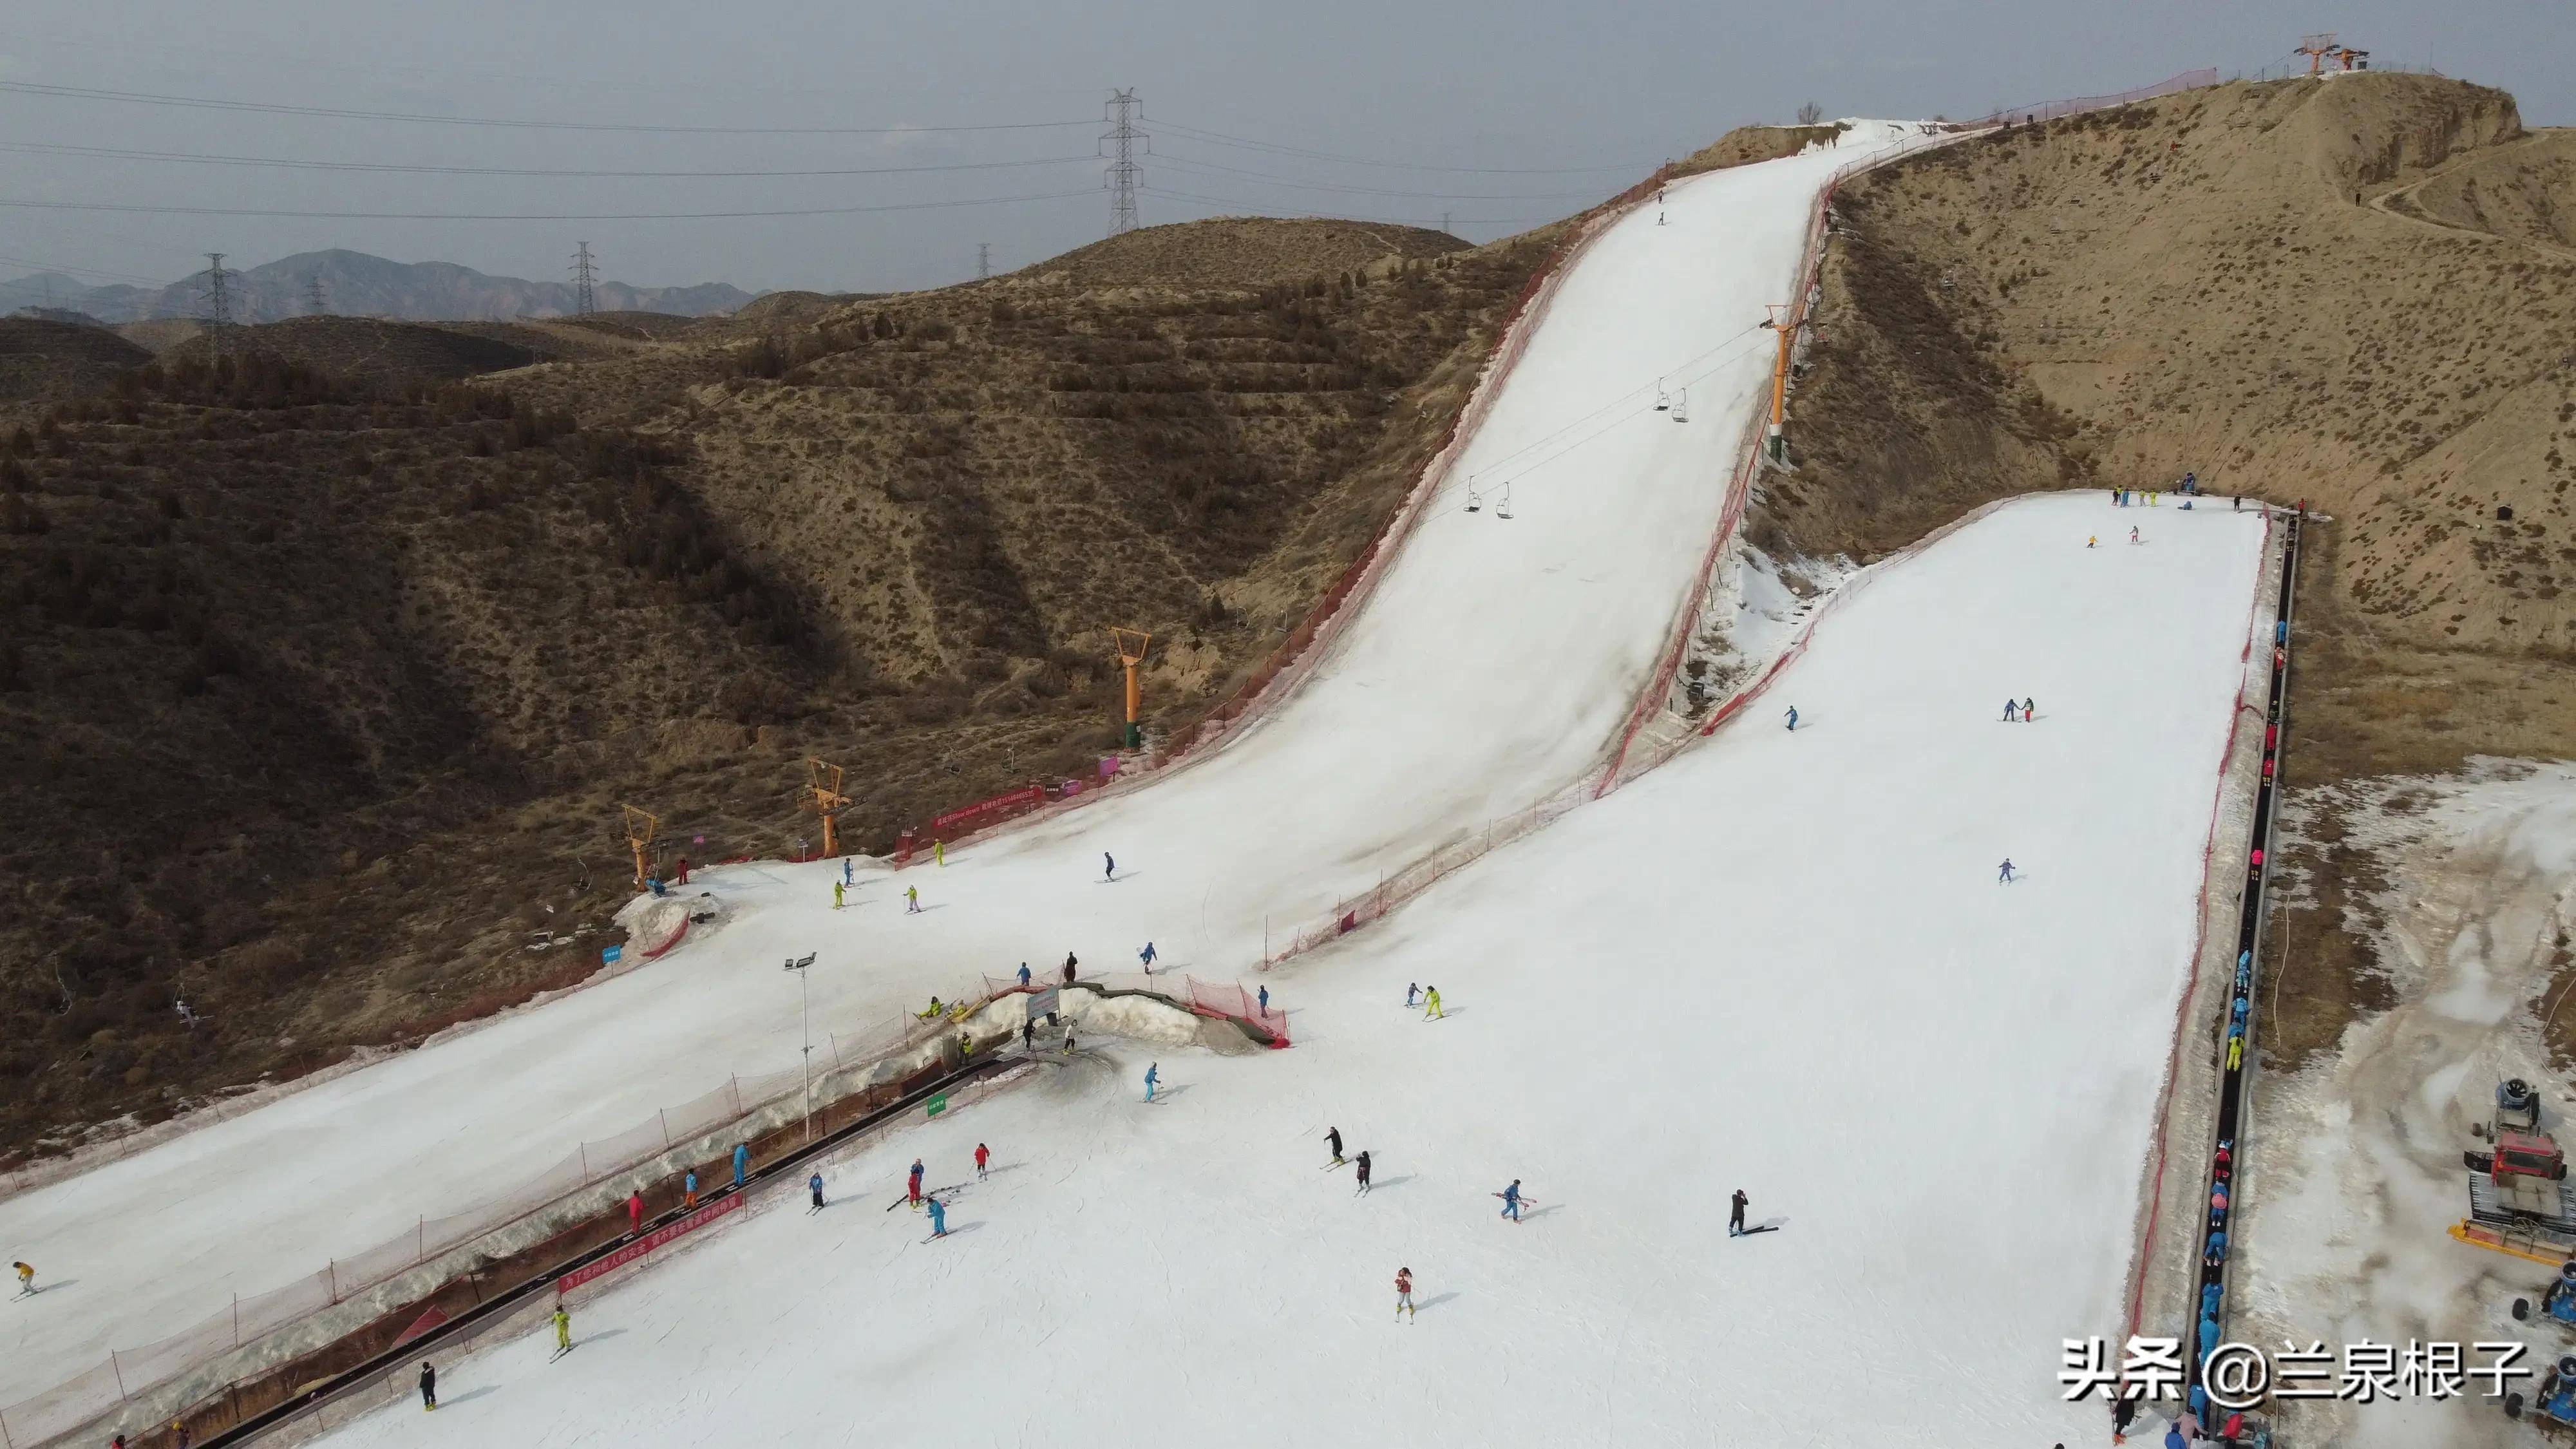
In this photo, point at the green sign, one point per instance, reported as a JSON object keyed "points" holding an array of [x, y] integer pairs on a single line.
{"points": [[938, 1104]]}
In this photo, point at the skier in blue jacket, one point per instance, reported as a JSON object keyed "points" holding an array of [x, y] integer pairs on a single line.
{"points": [[938, 1218], [741, 1161], [814, 1185], [1512, 1200], [1149, 1081]]}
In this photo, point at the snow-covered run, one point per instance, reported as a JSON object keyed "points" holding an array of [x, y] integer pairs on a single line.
{"points": [[1491, 667], [1782, 962]]}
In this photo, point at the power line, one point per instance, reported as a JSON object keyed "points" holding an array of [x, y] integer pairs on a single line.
{"points": [[81, 271], [1219, 138], [198, 158], [1123, 108], [532, 216], [279, 108], [583, 275]]}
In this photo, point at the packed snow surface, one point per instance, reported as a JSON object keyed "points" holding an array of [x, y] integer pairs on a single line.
{"points": [[1783, 962], [1493, 664]]}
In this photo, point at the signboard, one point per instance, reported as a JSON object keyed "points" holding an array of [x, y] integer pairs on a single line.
{"points": [[609, 956], [1043, 1003], [938, 1104], [649, 1242]]}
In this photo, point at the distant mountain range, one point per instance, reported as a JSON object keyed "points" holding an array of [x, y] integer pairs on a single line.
{"points": [[355, 284]]}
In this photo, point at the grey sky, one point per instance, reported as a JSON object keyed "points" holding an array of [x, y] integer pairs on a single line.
{"points": [[1520, 84]]}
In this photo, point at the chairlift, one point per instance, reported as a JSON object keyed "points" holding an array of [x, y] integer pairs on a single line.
{"points": [[1681, 407], [1663, 402], [1503, 506], [1475, 500]]}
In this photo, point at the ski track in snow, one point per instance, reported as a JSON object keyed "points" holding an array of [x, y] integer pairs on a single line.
{"points": [[1491, 666], [1780, 962]]}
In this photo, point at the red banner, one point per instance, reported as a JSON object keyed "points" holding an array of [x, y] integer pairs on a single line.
{"points": [[648, 1243], [1031, 795]]}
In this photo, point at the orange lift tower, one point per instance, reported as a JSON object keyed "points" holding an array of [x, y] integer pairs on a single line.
{"points": [[640, 826], [1129, 656], [2316, 48], [1774, 446], [823, 782]]}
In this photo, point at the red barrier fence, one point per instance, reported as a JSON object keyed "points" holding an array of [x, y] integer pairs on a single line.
{"points": [[647, 1243]]}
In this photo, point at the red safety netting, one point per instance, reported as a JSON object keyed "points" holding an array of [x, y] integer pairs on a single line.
{"points": [[133, 1371]]}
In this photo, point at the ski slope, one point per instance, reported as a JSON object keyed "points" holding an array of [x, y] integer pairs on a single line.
{"points": [[1782, 963], [1491, 667]]}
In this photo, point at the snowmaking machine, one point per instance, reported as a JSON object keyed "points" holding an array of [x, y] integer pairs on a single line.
{"points": [[2557, 1301], [2520, 1200], [2553, 1406]]}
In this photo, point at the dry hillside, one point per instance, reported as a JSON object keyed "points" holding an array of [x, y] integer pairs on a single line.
{"points": [[332, 673], [40, 357], [2348, 291]]}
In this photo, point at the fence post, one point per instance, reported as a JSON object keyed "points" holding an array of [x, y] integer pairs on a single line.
{"points": [[236, 1320], [664, 1119], [584, 1150], [419, 1240], [118, 1370], [734, 1085]]}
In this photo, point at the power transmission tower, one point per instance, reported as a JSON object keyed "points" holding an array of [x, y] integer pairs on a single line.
{"points": [[219, 300], [315, 303], [585, 276], [983, 260], [1124, 110]]}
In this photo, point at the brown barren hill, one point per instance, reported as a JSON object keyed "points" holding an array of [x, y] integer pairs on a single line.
{"points": [[1239, 252], [333, 680], [368, 346], [2351, 291], [40, 357]]}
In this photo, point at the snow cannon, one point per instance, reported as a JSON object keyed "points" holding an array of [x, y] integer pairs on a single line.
{"points": [[2557, 1301], [2555, 1401], [2517, 1107]]}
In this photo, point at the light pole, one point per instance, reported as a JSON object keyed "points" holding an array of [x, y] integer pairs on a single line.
{"points": [[805, 996]]}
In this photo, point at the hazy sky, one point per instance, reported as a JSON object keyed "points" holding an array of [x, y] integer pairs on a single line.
{"points": [[1515, 86]]}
